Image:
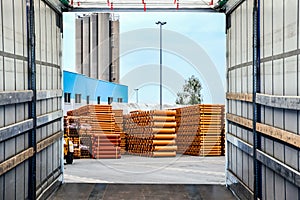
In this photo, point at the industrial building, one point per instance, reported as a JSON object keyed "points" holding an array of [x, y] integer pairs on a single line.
{"points": [[97, 46], [81, 90], [262, 138]]}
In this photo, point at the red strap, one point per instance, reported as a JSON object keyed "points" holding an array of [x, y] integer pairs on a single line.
{"points": [[177, 7], [111, 5], [145, 7]]}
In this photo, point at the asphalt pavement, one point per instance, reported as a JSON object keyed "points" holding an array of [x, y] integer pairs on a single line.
{"points": [[134, 169]]}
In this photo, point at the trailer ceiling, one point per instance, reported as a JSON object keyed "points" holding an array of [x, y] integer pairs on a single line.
{"points": [[142, 5]]}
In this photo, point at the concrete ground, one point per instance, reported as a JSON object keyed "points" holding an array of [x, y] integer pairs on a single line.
{"points": [[144, 170]]}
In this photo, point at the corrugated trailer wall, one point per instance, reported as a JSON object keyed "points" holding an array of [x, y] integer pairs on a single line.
{"points": [[276, 99], [18, 94]]}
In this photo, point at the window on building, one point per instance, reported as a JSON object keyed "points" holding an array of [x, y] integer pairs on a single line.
{"points": [[87, 99], [77, 98], [120, 100], [98, 100], [110, 100], [67, 97]]}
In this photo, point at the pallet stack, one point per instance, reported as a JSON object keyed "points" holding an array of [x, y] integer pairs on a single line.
{"points": [[200, 130], [81, 124], [119, 129], [97, 131], [85, 136], [151, 133]]}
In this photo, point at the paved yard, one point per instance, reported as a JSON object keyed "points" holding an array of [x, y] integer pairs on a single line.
{"points": [[135, 169]]}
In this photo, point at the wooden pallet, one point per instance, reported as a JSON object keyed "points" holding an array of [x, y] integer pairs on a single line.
{"points": [[150, 131], [97, 129], [200, 128]]}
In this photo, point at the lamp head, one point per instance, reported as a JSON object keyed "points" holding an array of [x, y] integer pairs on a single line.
{"points": [[161, 23]]}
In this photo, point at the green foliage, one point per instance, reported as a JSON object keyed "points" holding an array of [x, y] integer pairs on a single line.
{"points": [[191, 92]]}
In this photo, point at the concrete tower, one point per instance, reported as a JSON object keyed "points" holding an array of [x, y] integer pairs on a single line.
{"points": [[97, 46]]}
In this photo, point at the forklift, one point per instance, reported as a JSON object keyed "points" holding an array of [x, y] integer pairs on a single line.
{"points": [[68, 149]]}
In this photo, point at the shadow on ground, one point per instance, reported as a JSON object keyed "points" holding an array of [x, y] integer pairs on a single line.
{"points": [[83, 191]]}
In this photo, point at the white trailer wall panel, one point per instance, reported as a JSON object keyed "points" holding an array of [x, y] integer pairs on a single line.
{"points": [[279, 84], [16, 97]]}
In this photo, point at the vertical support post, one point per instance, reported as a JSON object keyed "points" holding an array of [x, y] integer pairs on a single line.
{"points": [[32, 104], [160, 70], [256, 107]]}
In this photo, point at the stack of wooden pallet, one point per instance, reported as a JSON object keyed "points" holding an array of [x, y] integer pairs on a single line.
{"points": [[200, 130], [85, 146], [81, 124], [119, 129], [97, 130], [70, 126], [151, 133], [85, 136]]}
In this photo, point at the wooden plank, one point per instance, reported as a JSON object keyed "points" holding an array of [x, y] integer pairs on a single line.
{"points": [[44, 119], [283, 135], [47, 94], [48, 141], [162, 112], [164, 124], [12, 97], [280, 134], [165, 148], [164, 136], [285, 102], [16, 129], [163, 130], [118, 113], [242, 145], [239, 96], [239, 120], [163, 118], [12, 162], [164, 154], [163, 142], [279, 168], [118, 156]]}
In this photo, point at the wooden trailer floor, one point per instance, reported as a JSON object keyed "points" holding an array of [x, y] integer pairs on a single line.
{"points": [[133, 177], [90, 191]]}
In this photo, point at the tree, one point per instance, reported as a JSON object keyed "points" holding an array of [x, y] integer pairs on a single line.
{"points": [[191, 92]]}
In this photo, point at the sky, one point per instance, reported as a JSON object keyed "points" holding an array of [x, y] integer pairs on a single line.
{"points": [[193, 44]]}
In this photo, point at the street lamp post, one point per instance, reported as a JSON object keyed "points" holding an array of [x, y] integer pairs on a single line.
{"points": [[137, 94], [160, 58]]}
